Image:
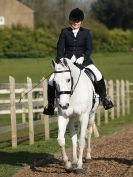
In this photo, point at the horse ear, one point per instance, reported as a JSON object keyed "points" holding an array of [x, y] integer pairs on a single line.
{"points": [[53, 63], [65, 62]]}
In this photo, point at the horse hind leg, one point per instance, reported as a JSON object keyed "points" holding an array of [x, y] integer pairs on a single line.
{"points": [[91, 128], [88, 143]]}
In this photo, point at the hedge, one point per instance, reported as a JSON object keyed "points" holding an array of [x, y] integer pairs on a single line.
{"points": [[116, 40], [120, 40], [21, 42]]}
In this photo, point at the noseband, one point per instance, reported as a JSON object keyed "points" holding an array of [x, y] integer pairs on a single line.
{"points": [[65, 92]]}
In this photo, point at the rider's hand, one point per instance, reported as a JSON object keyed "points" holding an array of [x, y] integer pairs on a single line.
{"points": [[61, 59], [80, 60]]}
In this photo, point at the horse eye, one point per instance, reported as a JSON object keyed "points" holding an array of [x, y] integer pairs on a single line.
{"points": [[68, 80]]}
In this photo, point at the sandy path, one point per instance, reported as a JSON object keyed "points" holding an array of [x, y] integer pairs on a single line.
{"points": [[112, 157]]}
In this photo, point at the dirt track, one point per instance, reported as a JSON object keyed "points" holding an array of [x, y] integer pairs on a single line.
{"points": [[112, 157]]}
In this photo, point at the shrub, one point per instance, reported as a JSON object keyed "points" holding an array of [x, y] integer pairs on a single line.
{"points": [[119, 40], [4, 37], [20, 43], [100, 34], [116, 40], [45, 43], [26, 43]]}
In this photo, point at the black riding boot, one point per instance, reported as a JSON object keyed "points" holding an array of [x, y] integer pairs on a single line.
{"points": [[49, 109], [107, 104]]}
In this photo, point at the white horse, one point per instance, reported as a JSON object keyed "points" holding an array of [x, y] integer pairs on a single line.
{"points": [[75, 94]]}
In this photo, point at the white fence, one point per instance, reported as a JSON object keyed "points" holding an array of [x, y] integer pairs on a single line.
{"points": [[118, 91], [28, 105]]}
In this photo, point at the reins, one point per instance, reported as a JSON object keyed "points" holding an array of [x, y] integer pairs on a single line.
{"points": [[21, 97], [61, 92], [76, 82]]}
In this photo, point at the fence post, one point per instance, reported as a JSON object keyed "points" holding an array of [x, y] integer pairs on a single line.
{"points": [[105, 111], [111, 94], [117, 98], [123, 97], [13, 112], [127, 97], [23, 109], [30, 108], [45, 117]]}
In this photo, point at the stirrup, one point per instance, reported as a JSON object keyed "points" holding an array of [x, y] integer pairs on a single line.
{"points": [[107, 104], [49, 110]]}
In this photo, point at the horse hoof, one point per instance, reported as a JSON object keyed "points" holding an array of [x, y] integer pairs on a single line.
{"points": [[68, 167], [70, 170], [78, 171], [88, 160]]}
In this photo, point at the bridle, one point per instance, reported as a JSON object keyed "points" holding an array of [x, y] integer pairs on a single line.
{"points": [[72, 88], [65, 92]]}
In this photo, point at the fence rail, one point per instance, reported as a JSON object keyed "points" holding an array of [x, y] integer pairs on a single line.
{"points": [[120, 92]]}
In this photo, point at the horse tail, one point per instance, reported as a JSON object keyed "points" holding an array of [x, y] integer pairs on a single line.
{"points": [[95, 130]]}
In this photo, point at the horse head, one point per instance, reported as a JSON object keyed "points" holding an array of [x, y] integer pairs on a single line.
{"points": [[63, 82]]}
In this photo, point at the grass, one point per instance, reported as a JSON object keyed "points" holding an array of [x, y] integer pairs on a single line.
{"points": [[113, 66], [115, 125], [11, 160], [20, 69]]}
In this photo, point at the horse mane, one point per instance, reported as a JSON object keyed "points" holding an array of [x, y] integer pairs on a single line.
{"points": [[82, 86]]}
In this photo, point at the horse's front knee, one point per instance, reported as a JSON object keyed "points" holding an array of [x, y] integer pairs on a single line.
{"points": [[81, 142], [61, 141]]}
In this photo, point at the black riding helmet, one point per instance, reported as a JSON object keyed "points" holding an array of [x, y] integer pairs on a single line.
{"points": [[76, 15]]}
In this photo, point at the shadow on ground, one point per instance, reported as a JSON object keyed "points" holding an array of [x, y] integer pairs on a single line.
{"points": [[23, 158]]}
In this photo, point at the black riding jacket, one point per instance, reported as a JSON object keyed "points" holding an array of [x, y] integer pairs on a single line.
{"points": [[69, 45]]}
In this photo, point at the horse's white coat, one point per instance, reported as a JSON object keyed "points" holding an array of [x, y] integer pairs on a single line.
{"points": [[80, 104]]}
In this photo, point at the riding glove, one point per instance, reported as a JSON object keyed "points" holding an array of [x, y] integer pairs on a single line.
{"points": [[80, 60]]}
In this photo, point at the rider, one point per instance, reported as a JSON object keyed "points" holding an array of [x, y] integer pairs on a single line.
{"points": [[75, 43]]}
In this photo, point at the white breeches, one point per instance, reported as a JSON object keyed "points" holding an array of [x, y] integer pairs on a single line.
{"points": [[92, 67], [96, 72], [51, 79]]}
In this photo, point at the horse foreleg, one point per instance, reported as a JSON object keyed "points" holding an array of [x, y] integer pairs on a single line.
{"points": [[83, 123], [62, 124], [74, 141]]}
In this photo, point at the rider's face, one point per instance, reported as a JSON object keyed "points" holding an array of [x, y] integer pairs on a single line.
{"points": [[75, 24]]}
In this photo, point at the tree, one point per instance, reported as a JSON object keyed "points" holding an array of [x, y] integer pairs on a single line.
{"points": [[114, 13]]}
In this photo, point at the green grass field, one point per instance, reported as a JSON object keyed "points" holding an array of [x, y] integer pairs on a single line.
{"points": [[116, 65], [113, 66], [21, 68]]}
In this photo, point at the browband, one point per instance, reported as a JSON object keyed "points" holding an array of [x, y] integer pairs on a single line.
{"points": [[62, 71]]}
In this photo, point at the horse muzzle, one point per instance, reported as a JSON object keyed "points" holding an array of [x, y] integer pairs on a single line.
{"points": [[64, 107]]}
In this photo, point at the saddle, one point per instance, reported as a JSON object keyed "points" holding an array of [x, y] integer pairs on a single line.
{"points": [[92, 77], [90, 74]]}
